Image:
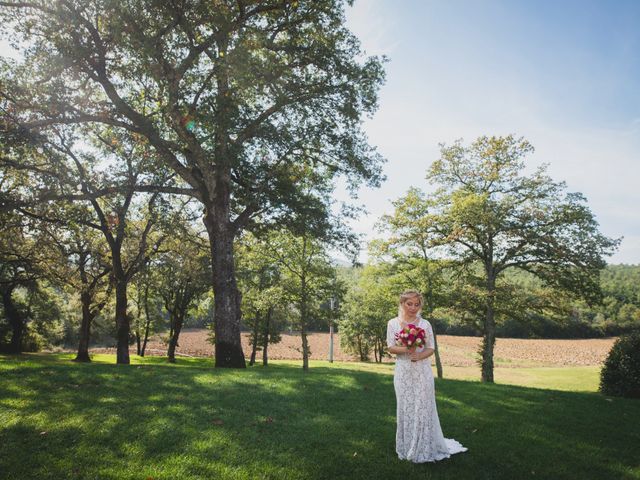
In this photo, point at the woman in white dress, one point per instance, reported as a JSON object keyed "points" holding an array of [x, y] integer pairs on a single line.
{"points": [[419, 437]]}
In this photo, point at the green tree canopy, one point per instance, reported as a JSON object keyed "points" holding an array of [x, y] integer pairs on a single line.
{"points": [[230, 95], [489, 216]]}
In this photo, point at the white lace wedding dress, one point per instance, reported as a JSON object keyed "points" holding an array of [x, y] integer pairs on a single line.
{"points": [[419, 437]]}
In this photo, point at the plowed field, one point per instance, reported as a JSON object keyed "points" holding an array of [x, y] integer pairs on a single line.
{"points": [[454, 351]]}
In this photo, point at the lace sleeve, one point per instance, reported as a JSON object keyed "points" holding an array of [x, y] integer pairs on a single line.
{"points": [[430, 342], [391, 334]]}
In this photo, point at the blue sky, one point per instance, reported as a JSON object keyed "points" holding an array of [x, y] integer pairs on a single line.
{"points": [[564, 74]]}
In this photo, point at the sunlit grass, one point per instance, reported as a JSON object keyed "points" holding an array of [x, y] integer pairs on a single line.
{"points": [[62, 420], [577, 379]]}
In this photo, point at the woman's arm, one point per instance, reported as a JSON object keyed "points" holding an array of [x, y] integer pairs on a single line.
{"points": [[398, 350], [426, 353]]}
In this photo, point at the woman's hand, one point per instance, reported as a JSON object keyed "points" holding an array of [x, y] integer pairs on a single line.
{"points": [[416, 356], [398, 350]]}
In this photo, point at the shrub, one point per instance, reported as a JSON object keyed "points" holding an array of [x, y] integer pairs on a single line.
{"points": [[620, 375]]}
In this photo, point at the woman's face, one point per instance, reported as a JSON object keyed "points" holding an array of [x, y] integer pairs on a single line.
{"points": [[411, 307]]}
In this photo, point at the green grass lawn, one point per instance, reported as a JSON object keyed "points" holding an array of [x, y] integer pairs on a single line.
{"points": [[575, 379], [61, 420]]}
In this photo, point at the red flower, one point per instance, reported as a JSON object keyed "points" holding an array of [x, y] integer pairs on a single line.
{"points": [[410, 336]]}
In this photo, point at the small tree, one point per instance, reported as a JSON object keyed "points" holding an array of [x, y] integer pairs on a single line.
{"points": [[371, 301], [309, 279], [264, 300], [408, 245], [183, 271], [21, 259], [78, 262]]}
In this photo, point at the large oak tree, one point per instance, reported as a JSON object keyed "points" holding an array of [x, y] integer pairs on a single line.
{"points": [[229, 94]]}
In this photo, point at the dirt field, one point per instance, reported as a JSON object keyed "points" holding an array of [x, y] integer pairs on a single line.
{"points": [[454, 351]]}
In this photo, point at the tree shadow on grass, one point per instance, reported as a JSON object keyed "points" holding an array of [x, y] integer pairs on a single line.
{"points": [[108, 421]]}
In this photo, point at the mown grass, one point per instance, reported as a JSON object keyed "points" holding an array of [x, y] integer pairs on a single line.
{"points": [[61, 420], [575, 379]]}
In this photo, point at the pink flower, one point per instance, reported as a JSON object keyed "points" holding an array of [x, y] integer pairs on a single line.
{"points": [[411, 337]]}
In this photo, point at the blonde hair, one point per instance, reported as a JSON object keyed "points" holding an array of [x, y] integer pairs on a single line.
{"points": [[406, 295]]}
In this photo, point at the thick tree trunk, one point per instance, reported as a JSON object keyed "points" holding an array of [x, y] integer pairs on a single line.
{"points": [[488, 343], [85, 329], [15, 320], [122, 323], [227, 314], [489, 338]]}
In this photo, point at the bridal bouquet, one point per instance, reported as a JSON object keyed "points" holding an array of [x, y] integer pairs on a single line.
{"points": [[411, 337]]}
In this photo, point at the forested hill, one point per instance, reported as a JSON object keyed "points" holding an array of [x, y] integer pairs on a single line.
{"points": [[617, 313]]}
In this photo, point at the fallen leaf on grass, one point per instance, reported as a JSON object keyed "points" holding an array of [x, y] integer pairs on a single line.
{"points": [[43, 433], [268, 420], [218, 421]]}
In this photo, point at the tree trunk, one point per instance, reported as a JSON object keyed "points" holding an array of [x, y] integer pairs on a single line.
{"points": [[138, 326], [254, 350], [173, 340], [265, 356], [305, 350], [138, 345], [437, 354], [146, 329], [265, 337], [361, 349], [147, 319], [254, 340], [228, 349], [303, 321], [254, 344], [15, 320], [85, 329], [489, 338], [122, 323]]}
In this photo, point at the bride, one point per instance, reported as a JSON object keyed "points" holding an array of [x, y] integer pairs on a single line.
{"points": [[419, 437]]}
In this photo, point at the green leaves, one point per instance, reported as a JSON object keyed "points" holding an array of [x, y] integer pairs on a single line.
{"points": [[487, 217]]}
